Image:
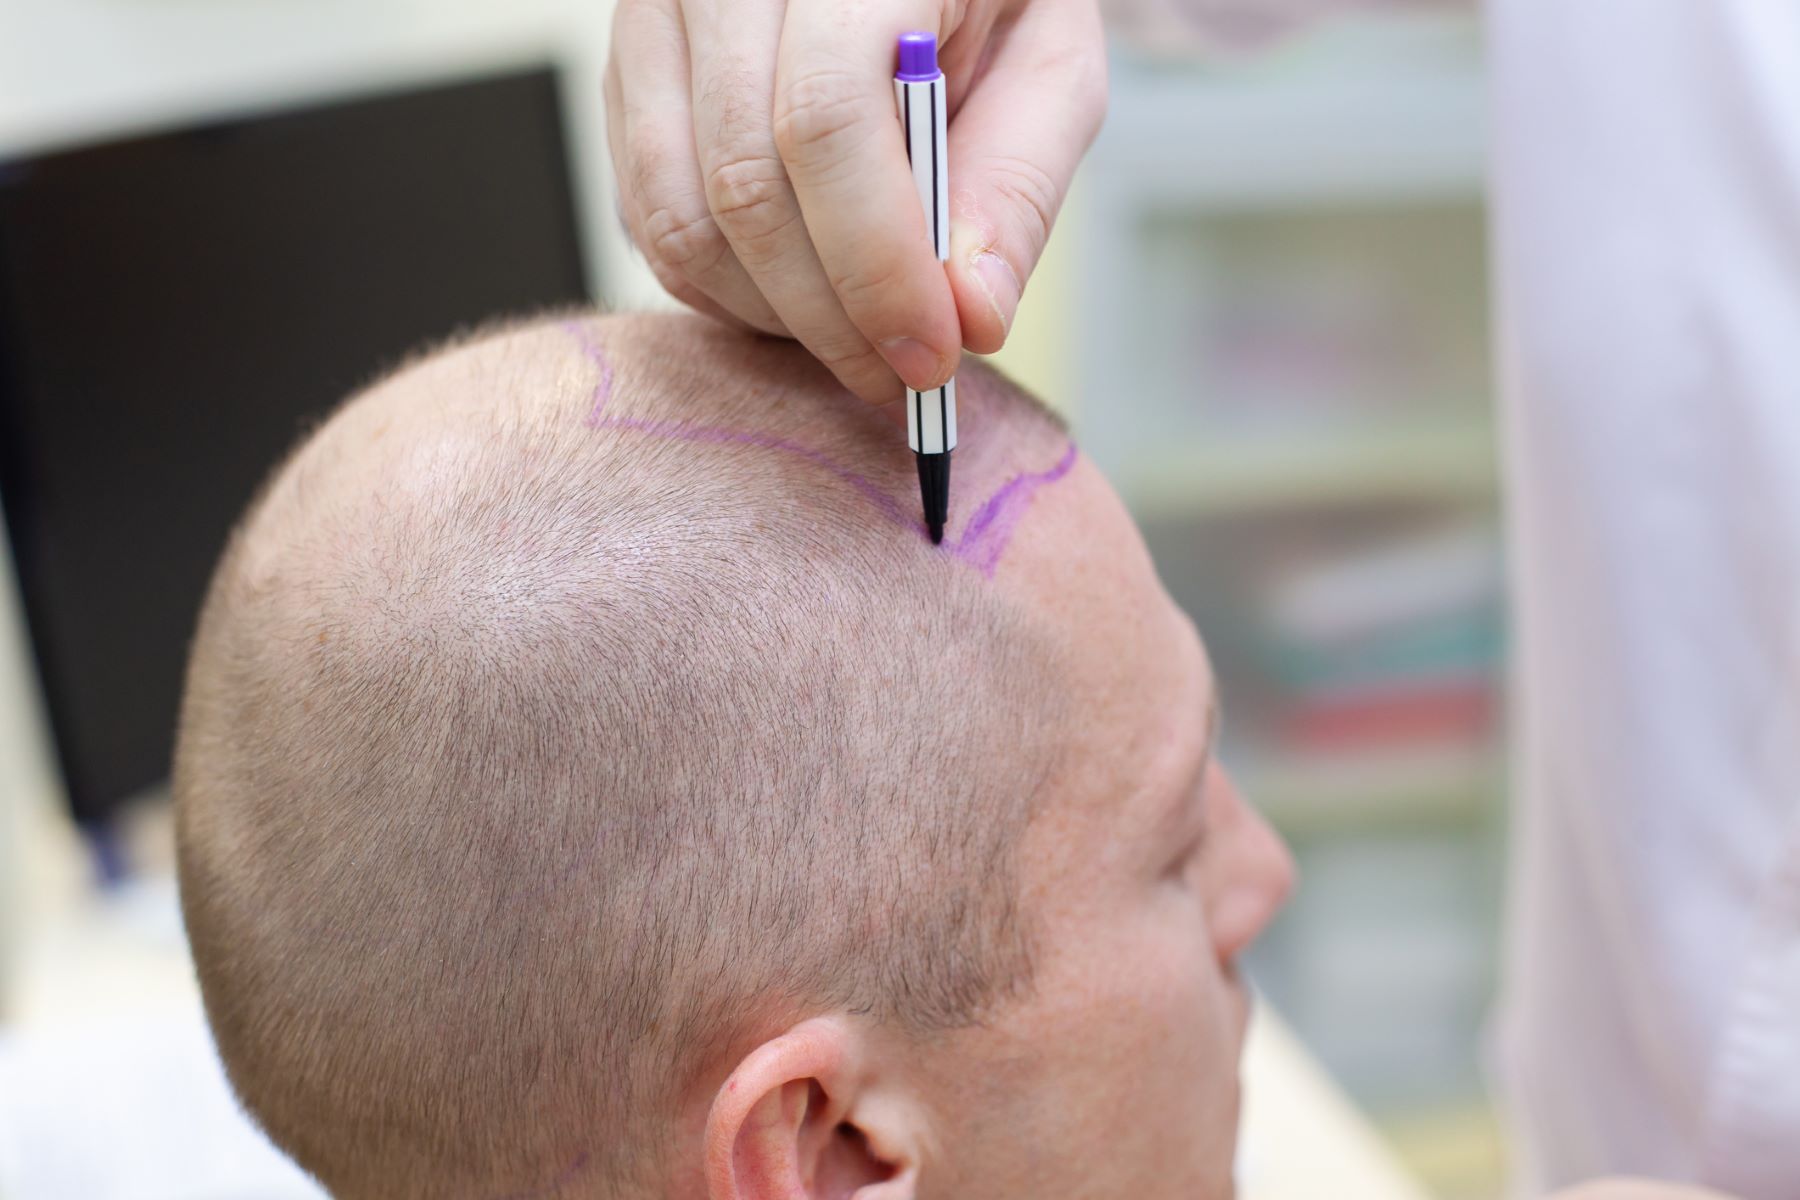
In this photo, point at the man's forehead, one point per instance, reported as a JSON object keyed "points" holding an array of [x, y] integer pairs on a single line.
{"points": [[1141, 686]]}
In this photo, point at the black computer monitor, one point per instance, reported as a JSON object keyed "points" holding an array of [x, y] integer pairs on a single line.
{"points": [[176, 310]]}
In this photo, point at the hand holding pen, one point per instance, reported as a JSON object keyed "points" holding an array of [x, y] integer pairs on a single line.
{"points": [[764, 176]]}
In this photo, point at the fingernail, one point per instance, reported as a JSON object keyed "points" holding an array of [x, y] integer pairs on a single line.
{"points": [[996, 277], [921, 367]]}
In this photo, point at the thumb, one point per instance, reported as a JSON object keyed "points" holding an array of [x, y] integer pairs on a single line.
{"points": [[1014, 146]]}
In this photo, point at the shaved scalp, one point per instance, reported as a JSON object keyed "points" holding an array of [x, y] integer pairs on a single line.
{"points": [[576, 708]]}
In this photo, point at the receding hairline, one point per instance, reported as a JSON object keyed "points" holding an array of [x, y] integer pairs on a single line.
{"points": [[642, 344]]}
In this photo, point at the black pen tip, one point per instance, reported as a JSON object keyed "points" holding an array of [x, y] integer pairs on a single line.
{"points": [[934, 491]]}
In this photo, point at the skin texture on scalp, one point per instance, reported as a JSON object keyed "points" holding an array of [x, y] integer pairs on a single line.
{"points": [[574, 707]]}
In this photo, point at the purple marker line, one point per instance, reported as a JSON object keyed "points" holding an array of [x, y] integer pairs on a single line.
{"points": [[984, 539], [688, 432], [602, 388]]}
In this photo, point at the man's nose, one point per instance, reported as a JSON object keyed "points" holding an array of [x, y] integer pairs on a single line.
{"points": [[1254, 871]]}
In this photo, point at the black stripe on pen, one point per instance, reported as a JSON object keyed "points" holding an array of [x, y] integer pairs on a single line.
{"points": [[943, 422], [937, 246], [906, 113]]}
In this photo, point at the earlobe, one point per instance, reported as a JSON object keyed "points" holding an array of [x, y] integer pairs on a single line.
{"points": [[785, 1125]]}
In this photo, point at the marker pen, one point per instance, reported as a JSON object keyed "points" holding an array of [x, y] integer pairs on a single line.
{"points": [[930, 416]]}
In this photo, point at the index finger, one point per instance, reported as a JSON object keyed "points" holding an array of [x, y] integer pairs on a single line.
{"points": [[838, 133]]}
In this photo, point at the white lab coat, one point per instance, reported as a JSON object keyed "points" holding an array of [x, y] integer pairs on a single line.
{"points": [[1646, 200]]}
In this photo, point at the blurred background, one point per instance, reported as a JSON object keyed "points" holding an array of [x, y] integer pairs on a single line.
{"points": [[1265, 310]]}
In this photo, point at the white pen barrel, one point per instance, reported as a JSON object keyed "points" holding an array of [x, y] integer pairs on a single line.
{"points": [[922, 116], [930, 416]]}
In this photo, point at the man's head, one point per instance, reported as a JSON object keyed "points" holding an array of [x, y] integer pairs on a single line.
{"points": [[591, 782]]}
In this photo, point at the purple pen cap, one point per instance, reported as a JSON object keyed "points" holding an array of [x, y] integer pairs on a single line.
{"points": [[918, 57]]}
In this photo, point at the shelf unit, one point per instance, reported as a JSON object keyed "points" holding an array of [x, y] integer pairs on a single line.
{"points": [[1397, 138], [1324, 795], [1204, 146], [1453, 460]]}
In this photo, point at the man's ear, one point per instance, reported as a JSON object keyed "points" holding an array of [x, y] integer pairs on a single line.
{"points": [[802, 1117]]}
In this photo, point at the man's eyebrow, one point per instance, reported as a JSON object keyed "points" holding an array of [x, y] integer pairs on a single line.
{"points": [[1177, 813]]}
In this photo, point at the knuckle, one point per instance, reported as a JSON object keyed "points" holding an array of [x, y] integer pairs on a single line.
{"points": [[866, 286], [684, 239], [748, 192], [849, 356], [1028, 192], [818, 114]]}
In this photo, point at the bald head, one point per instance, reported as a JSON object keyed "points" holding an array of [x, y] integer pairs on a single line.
{"points": [[575, 707]]}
